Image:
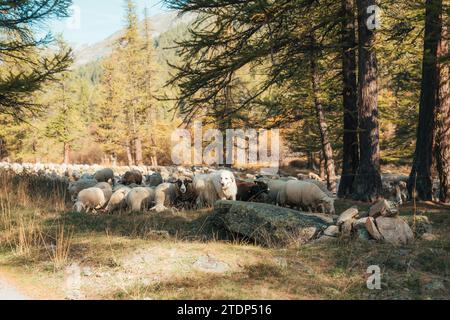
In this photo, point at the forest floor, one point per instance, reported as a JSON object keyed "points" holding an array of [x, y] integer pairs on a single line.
{"points": [[52, 255]]}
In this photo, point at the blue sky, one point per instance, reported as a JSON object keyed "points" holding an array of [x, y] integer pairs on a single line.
{"points": [[98, 19]]}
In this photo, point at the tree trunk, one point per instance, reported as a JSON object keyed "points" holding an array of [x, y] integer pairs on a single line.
{"points": [[367, 184], [138, 152], [420, 182], [350, 161], [327, 150], [129, 154], [442, 152], [66, 153]]}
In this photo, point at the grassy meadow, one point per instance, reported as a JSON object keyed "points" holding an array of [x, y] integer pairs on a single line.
{"points": [[156, 256]]}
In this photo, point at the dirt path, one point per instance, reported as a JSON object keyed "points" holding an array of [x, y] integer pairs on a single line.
{"points": [[8, 292]]}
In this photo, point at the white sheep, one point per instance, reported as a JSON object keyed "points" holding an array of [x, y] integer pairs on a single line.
{"points": [[219, 185], [118, 199], [306, 195], [90, 199], [275, 187], [106, 188], [139, 197], [77, 186]]}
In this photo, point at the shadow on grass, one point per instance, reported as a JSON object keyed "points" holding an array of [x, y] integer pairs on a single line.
{"points": [[182, 225]]}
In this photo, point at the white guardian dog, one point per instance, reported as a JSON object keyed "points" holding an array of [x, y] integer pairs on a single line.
{"points": [[219, 185]]}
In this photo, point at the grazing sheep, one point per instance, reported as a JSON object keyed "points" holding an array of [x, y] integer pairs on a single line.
{"points": [[248, 191], [132, 177], [275, 187], [118, 199], [140, 198], [322, 186], [155, 179], [169, 194], [104, 175], [90, 199], [77, 186], [219, 185], [106, 188], [306, 195]]}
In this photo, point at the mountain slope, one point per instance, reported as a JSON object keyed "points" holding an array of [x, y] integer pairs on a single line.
{"points": [[160, 24]]}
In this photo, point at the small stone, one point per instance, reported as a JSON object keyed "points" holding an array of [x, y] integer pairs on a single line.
{"points": [[332, 231], [346, 228], [429, 237], [372, 229], [347, 215], [307, 234], [360, 223], [381, 208], [210, 264], [395, 230]]}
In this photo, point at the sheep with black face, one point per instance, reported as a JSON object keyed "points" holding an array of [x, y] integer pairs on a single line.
{"points": [[173, 194]]}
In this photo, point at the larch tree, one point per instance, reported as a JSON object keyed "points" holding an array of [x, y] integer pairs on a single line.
{"points": [[420, 182], [367, 184], [24, 66], [442, 151], [350, 150]]}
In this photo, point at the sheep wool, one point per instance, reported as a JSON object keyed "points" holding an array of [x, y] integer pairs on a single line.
{"points": [[118, 199], [139, 197], [306, 194], [90, 199]]}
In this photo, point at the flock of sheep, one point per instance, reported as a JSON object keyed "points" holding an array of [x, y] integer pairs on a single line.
{"points": [[96, 189]]}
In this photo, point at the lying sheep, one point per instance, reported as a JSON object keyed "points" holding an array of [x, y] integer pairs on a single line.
{"points": [[220, 185], [140, 198], [132, 177], [169, 194], [307, 196], [90, 199], [118, 199], [77, 186], [105, 175]]}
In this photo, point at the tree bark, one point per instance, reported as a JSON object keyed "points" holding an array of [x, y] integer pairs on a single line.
{"points": [[327, 150], [442, 152], [138, 152], [350, 100], [367, 184], [420, 182], [66, 153], [129, 154]]}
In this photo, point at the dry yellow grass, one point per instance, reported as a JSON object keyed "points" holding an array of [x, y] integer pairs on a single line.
{"points": [[155, 256]]}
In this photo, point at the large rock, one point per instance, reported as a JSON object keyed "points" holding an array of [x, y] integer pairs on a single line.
{"points": [[395, 230], [267, 224]]}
